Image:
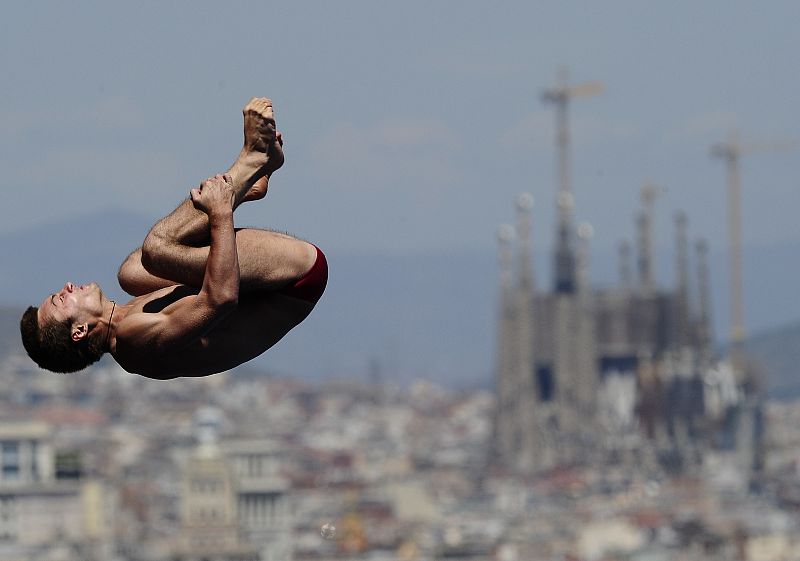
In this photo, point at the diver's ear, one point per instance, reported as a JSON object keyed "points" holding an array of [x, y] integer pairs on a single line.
{"points": [[79, 332]]}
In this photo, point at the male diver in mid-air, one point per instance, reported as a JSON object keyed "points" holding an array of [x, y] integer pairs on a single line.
{"points": [[207, 297]]}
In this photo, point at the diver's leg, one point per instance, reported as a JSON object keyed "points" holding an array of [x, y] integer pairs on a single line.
{"points": [[261, 155], [267, 261], [135, 279], [167, 255]]}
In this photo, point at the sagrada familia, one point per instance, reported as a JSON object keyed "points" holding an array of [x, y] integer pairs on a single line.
{"points": [[627, 373]]}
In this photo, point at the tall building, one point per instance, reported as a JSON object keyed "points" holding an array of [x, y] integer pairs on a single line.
{"points": [[209, 529], [567, 357], [581, 373], [235, 502], [263, 508]]}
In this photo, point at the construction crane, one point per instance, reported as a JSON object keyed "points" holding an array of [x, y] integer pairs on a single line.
{"points": [[730, 152], [560, 95]]}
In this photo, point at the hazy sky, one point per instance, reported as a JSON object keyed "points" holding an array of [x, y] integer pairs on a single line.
{"points": [[409, 125]]}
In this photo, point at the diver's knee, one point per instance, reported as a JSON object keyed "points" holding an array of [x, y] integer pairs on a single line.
{"points": [[150, 250], [130, 271], [131, 262]]}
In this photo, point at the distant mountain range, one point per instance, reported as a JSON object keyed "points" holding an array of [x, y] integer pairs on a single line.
{"points": [[396, 317]]}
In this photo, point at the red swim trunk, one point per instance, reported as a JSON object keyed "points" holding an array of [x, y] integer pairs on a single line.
{"points": [[310, 286]]}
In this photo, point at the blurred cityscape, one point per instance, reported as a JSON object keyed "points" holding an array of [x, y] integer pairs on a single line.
{"points": [[615, 431], [109, 466]]}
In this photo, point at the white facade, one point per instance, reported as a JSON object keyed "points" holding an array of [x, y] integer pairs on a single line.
{"points": [[37, 511]]}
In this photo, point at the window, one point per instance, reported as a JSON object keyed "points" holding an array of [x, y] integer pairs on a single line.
{"points": [[8, 521], [10, 461]]}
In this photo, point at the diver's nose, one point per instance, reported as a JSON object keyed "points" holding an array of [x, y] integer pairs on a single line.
{"points": [[69, 287]]}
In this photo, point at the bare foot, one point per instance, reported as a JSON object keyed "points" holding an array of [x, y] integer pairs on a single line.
{"points": [[259, 125], [275, 161], [258, 190], [275, 157], [255, 159]]}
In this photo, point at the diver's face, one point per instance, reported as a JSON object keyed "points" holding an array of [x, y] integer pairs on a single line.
{"points": [[72, 302]]}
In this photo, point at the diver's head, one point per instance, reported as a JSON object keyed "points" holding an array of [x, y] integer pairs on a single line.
{"points": [[67, 332]]}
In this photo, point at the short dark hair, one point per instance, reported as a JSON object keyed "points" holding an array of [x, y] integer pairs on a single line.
{"points": [[50, 345]]}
